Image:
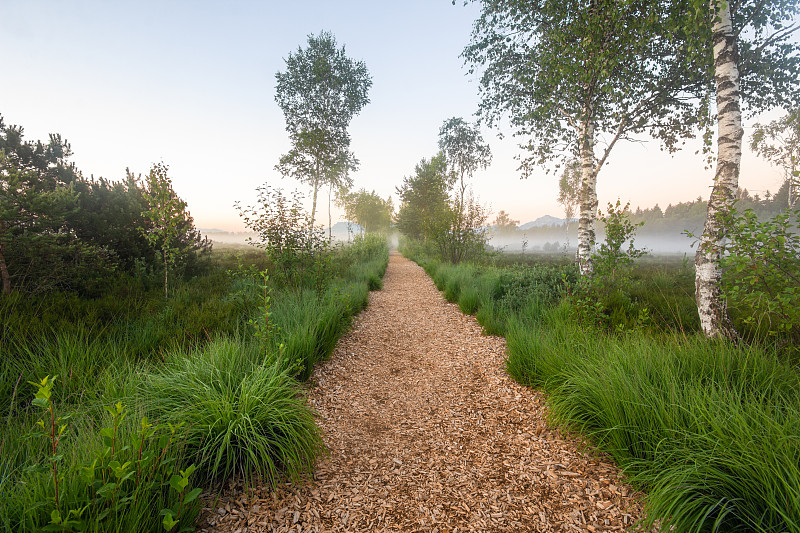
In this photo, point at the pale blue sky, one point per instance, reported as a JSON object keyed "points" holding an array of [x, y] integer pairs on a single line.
{"points": [[192, 83]]}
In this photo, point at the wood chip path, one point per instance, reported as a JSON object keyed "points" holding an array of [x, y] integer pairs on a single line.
{"points": [[427, 432]]}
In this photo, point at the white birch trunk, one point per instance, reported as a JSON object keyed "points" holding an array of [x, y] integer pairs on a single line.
{"points": [[314, 201], [710, 303], [588, 198]]}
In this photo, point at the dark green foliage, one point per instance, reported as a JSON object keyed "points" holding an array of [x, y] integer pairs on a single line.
{"points": [[60, 231], [38, 249]]}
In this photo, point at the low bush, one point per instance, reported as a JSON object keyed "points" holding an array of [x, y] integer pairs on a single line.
{"points": [[103, 470]]}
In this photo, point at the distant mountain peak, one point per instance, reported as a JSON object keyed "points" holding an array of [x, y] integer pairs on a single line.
{"points": [[543, 221]]}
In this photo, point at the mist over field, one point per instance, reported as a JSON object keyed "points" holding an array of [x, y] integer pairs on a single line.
{"points": [[556, 240], [341, 232]]}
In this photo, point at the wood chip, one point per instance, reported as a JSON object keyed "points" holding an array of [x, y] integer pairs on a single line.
{"points": [[427, 432]]}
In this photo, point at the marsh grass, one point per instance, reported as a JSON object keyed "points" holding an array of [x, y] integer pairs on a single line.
{"points": [[190, 360], [710, 430], [243, 413]]}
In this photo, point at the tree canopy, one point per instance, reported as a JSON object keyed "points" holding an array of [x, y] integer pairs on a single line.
{"points": [[320, 92], [424, 199], [368, 210], [574, 77], [62, 231]]}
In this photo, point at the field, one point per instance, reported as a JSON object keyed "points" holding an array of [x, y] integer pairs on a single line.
{"points": [[143, 401]]}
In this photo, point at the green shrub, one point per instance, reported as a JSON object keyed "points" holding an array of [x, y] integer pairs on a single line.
{"points": [[762, 275]]}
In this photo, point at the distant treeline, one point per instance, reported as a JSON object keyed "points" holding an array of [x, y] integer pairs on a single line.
{"points": [[664, 230], [690, 216]]}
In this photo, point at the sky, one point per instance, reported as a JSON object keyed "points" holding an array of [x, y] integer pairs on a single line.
{"points": [[192, 84]]}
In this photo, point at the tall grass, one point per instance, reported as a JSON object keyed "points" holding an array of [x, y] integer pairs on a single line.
{"points": [[243, 412], [190, 361], [710, 430]]}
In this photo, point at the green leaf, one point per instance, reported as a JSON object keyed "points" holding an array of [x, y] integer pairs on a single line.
{"points": [[189, 471], [41, 402], [168, 522], [192, 495], [106, 490], [178, 483]]}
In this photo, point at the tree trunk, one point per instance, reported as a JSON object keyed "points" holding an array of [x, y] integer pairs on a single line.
{"points": [[588, 197], [330, 224], [710, 303], [166, 273], [3, 266]]}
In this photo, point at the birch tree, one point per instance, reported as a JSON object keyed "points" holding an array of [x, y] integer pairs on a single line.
{"points": [[749, 59], [320, 92], [166, 216], [574, 77], [465, 152]]}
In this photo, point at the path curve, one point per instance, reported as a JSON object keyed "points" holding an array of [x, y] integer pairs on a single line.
{"points": [[427, 432]]}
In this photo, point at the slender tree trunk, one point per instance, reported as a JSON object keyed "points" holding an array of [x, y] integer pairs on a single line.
{"points": [[314, 203], [3, 266], [710, 303], [166, 273], [588, 197], [330, 224]]}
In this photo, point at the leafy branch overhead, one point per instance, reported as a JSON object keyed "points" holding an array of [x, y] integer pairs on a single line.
{"points": [[574, 78]]}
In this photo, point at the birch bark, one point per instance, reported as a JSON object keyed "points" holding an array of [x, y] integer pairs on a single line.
{"points": [[710, 303], [588, 197]]}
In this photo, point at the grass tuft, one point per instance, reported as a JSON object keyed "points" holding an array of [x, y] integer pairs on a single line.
{"points": [[243, 414]]}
